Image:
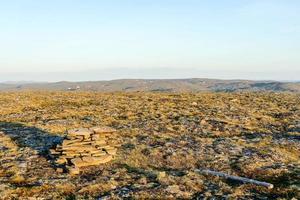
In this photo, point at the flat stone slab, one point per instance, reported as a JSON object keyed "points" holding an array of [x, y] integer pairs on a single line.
{"points": [[79, 148], [103, 129], [112, 151], [76, 144], [100, 143], [99, 153], [96, 137], [103, 147], [61, 160], [99, 160], [80, 132], [54, 152], [91, 161], [70, 142], [74, 171]]}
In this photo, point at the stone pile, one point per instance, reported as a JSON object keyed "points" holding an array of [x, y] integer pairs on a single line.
{"points": [[84, 147]]}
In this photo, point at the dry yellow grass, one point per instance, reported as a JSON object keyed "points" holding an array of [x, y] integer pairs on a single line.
{"points": [[164, 138]]}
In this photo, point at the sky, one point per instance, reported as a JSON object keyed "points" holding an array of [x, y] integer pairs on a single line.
{"points": [[80, 40]]}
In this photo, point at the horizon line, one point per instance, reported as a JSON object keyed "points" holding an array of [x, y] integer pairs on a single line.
{"points": [[24, 82]]}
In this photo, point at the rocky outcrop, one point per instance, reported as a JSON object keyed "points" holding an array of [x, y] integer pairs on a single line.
{"points": [[85, 147]]}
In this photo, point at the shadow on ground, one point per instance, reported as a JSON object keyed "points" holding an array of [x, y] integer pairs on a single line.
{"points": [[32, 137]]}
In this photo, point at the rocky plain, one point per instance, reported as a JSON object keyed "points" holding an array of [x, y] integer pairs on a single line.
{"points": [[162, 139]]}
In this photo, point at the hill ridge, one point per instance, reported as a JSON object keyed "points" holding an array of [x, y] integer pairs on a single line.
{"points": [[159, 85]]}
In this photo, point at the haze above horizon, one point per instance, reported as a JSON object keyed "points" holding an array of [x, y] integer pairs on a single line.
{"points": [[76, 40]]}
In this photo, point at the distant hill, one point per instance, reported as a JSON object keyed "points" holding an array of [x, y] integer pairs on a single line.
{"points": [[160, 85]]}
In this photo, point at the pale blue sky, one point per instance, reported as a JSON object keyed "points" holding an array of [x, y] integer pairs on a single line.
{"points": [[85, 39]]}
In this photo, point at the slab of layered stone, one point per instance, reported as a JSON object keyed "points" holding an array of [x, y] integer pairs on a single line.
{"points": [[61, 160], [99, 143], [103, 129], [70, 156], [91, 160], [71, 153], [85, 142], [111, 151], [74, 171], [98, 160], [54, 152], [85, 132], [100, 153], [79, 148], [70, 142], [96, 137], [103, 147]]}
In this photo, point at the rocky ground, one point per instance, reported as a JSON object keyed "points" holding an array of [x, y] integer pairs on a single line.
{"points": [[163, 139]]}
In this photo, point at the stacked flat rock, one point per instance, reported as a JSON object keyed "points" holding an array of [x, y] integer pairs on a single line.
{"points": [[85, 147]]}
